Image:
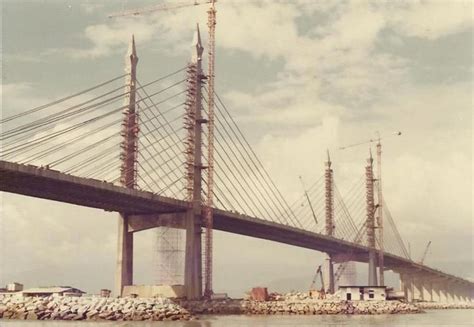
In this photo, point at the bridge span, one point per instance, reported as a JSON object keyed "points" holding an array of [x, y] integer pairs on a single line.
{"points": [[152, 161], [148, 210]]}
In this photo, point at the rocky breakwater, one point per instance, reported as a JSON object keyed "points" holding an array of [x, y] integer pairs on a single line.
{"points": [[224, 306], [91, 308], [298, 304], [328, 307], [441, 305]]}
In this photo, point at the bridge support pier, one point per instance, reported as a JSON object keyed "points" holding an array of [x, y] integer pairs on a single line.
{"points": [[124, 269], [372, 268], [193, 257], [449, 293], [436, 292], [443, 295], [417, 289], [427, 290], [406, 283], [331, 276]]}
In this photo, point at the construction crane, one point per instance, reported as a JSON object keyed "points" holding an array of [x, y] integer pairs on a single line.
{"points": [[160, 7], [309, 201], [423, 257], [321, 291], [379, 197], [208, 212]]}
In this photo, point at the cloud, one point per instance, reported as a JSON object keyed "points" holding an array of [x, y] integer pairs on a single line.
{"points": [[90, 7], [432, 19]]}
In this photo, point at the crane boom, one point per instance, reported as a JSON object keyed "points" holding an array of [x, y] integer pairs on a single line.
{"points": [[369, 141], [423, 257], [161, 7], [309, 201]]}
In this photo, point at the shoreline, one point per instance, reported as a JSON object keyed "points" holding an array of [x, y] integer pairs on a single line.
{"points": [[162, 309]]}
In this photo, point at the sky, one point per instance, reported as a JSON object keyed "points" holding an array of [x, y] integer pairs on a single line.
{"points": [[299, 77]]}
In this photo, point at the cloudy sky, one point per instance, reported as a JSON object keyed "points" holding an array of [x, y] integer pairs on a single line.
{"points": [[300, 77]]}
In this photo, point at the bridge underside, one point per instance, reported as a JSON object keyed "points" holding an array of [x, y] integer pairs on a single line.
{"points": [[148, 210]]}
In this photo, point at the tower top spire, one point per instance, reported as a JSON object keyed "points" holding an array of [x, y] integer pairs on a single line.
{"points": [[371, 159], [197, 46], [132, 51], [328, 162]]}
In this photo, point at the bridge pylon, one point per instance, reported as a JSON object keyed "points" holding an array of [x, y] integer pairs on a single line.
{"points": [[370, 221], [194, 215], [329, 210], [128, 174]]}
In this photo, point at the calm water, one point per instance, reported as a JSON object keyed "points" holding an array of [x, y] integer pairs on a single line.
{"points": [[431, 318]]}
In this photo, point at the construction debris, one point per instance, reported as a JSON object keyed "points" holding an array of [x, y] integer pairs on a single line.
{"points": [[259, 294]]}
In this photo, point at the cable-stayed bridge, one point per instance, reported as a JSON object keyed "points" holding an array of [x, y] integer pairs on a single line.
{"points": [[142, 150]]}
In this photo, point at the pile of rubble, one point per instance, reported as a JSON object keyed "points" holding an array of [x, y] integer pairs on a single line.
{"points": [[90, 308], [258, 302], [317, 307], [439, 305], [226, 306]]}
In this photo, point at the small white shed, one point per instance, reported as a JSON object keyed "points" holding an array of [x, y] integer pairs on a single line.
{"points": [[363, 293]]}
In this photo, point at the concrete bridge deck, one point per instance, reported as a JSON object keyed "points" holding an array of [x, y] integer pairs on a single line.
{"points": [[53, 185]]}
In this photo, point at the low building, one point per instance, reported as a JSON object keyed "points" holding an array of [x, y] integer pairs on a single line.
{"points": [[14, 287], [53, 291], [363, 293]]}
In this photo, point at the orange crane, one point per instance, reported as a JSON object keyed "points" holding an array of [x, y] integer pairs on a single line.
{"points": [[208, 212]]}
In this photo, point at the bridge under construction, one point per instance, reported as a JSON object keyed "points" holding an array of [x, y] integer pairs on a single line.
{"points": [[173, 157]]}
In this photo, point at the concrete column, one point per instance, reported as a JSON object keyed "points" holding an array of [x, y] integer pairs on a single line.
{"points": [[124, 268], [417, 289], [463, 294], [449, 294], [331, 276], [427, 290], [443, 295], [455, 293], [373, 268], [193, 263], [403, 284], [409, 288], [193, 255], [436, 292]]}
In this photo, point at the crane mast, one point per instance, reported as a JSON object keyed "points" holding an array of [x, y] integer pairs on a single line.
{"points": [[208, 215]]}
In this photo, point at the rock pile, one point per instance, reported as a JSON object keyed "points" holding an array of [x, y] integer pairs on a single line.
{"points": [[227, 306], [316, 307], [90, 308], [301, 307], [439, 305]]}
